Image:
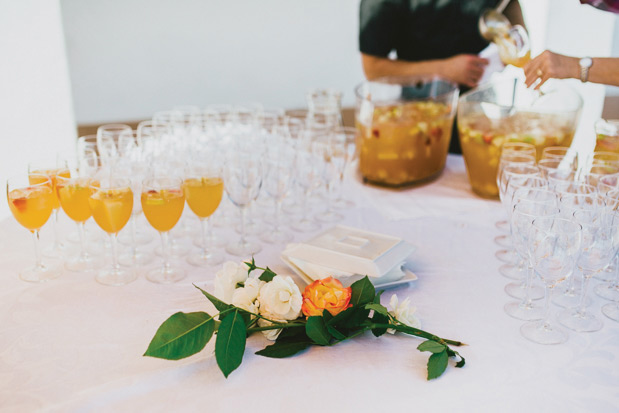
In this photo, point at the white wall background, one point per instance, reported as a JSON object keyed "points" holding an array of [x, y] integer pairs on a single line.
{"points": [[130, 58], [36, 112]]}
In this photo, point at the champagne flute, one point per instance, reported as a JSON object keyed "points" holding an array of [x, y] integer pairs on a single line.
{"points": [[554, 244], [51, 168], [163, 202], [31, 204], [204, 187], [111, 203], [74, 194]]}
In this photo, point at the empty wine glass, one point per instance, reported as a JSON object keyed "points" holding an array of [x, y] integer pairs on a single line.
{"points": [[243, 179], [163, 202], [333, 155], [107, 142], [111, 202], [554, 244], [347, 138], [32, 203], [525, 211], [600, 241]]}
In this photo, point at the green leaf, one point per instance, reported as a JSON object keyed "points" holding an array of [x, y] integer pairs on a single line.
{"points": [[433, 347], [363, 292], [378, 308], [296, 333], [181, 335], [377, 297], [380, 317], [452, 353], [267, 275], [352, 318], [437, 363], [219, 305], [251, 265], [284, 349], [317, 331], [335, 333], [230, 343]]}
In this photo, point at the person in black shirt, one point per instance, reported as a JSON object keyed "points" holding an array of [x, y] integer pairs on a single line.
{"points": [[426, 37]]}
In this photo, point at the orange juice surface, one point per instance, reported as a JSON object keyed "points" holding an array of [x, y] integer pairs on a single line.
{"points": [[51, 173], [203, 195], [74, 197], [31, 206], [163, 208], [111, 208]]}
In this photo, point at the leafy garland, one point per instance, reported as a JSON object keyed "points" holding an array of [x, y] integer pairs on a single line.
{"points": [[185, 334]]}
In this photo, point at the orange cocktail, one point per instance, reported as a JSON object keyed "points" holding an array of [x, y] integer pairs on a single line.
{"points": [[31, 204], [203, 195], [35, 176], [74, 195]]}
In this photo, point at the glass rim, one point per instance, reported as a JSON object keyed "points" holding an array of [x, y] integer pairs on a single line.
{"points": [[26, 178]]}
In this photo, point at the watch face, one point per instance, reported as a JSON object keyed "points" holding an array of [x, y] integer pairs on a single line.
{"points": [[586, 62]]}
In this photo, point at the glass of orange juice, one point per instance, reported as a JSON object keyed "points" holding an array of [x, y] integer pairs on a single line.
{"points": [[111, 203], [51, 168], [74, 194], [163, 202], [203, 187], [32, 204]]}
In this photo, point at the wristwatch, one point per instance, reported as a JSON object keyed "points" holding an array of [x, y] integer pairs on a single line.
{"points": [[585, 63]]}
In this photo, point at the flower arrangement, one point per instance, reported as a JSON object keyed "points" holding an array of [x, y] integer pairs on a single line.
{"points": [[325, 314]]}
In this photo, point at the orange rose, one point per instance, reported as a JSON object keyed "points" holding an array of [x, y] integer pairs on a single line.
{"points": [[326, 294]]}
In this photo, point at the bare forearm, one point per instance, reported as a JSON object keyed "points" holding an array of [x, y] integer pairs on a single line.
{"points": [[604, 70]]}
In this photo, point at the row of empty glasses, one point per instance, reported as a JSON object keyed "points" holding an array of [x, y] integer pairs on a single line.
{"points": [[270, 165], [564, 230]]}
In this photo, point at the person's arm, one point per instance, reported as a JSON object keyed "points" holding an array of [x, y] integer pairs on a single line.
{"points": [[462, 69], [549, 65], [513, 12]]}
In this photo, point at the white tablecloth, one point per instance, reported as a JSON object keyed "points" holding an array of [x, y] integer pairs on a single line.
{"points": [[75, 345]]}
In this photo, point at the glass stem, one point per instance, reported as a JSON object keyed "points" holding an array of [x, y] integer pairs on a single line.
{"points": [[164, 252], [37, 250], [134, 243], [82, 234], [114, 245], [583, 296], [547, 295], [55, 227], [242, 211], [526, 299], [204, 227]]}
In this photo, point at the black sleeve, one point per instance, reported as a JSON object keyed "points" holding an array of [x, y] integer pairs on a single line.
{"points": [[378, 26]]}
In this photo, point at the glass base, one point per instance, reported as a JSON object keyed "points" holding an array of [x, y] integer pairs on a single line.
{"points": [[502, 225], [175, 250], [569, 299], [542, 333], [116, 277], [518, 290], [201, 259], [139, 258], [504, 241], [507, 256], [276, 236], [513, 272], [305, 225], [580, 322], [611, 311], [343, 203], [165, 276], [212, 241], [81, 263], [251, 228], [244, 249], [525, 312], [40, 274], [608, 291], [329, 216]]}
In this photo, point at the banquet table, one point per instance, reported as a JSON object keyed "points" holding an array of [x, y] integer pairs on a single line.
{"points": [[72, 344]]}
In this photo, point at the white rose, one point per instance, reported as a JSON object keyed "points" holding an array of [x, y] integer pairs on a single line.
{"points": [[281, 299], [227, 278], [246, 296], [269, 334], [403, 312]]}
